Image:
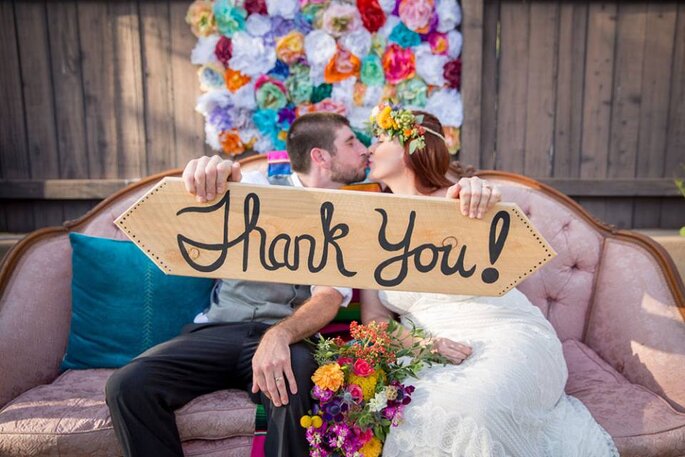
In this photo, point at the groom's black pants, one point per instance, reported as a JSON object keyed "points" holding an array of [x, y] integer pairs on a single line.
{"points": [[143, 395]]}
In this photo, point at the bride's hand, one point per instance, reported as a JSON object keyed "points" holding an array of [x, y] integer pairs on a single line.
{"points": [[456, 352]]}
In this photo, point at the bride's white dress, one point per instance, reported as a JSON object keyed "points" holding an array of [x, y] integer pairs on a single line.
{"points": [[506, 399]]}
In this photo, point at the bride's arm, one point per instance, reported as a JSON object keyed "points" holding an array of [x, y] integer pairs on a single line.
{"points": [[374, 311]]}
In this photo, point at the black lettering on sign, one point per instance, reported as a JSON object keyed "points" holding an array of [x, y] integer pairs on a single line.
{"points": [[281, 252]]}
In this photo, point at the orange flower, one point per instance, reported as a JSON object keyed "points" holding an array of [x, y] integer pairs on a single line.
{"points": [[342, 65], [231, 143], [235, 79], [329, 377], [371, 448]]}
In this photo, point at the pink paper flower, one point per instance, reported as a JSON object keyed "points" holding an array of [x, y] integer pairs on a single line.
{"points": [[416, 14], [398, 63]]}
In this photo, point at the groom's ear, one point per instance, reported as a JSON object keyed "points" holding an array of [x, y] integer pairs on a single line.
{"points": [[321, 158]]}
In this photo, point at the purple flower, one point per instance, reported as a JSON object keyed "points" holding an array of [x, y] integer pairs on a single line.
{"points": [[334, 409], [323, 395], [286, 116], [221, 118], [281, 26], [302, 24]]}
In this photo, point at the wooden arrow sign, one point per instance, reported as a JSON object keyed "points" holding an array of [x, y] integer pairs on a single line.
{"points": [[336, 238]]}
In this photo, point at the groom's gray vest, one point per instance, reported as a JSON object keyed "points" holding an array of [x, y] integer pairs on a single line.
{"points": [[243, 301]]}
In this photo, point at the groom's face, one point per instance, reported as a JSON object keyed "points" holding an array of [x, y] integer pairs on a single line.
{"points": [[350, 160]]}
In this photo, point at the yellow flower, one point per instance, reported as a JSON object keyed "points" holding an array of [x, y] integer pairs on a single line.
{"points": [[317, 421], [372, 448], [329, 377], [306, 421], [384, 119], [290, 47], [367, 383]]}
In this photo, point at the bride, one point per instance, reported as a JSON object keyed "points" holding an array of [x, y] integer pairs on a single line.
{"points": [[504, 393]]}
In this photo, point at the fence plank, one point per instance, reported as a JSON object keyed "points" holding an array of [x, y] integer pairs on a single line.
{"points": [[625, 117], [38, 103], [541, 93], [570, 80], [673, 210], [158, 85], [597, 97], [656, 85], [128, 83], [511, 121], [471, 90], [488, 84], [14, 162]]}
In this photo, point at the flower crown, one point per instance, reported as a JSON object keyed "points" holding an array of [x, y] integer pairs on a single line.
{"points": [[402, 124]]}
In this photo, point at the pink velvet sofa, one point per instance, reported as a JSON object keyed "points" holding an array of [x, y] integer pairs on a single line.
{"points": [[613, 296]]}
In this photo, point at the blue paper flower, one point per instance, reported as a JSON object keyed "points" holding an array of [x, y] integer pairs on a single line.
{"points": [[404, 36], [229, 18]]}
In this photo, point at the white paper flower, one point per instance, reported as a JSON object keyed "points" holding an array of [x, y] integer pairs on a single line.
{"points": [[212, 99], [446, 105], [212, 137], [263, 144], [357, 42], [244, 97], [320, 47], [343, 92], [285, 8], [316, 74], [251, 56], [387, 5], [358, 116], [454, 44], [372, 95], [430, 66], [203, 52], [449, 15], [258, 24], [390, 23]]}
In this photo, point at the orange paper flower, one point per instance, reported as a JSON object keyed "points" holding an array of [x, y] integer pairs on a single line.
{"points": [[342, 65], [231, 142], [235, 79]]}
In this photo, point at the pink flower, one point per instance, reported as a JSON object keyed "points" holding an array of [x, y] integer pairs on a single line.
{"points": [[362, 368], [356, 392], [416, 14], [398, 63], [342, 361], [438, 42], [340, 19]]}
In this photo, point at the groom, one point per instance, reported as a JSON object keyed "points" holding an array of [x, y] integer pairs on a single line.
{"points": [[251, 335]]}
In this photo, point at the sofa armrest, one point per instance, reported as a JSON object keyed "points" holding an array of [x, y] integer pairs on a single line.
{"points": [[35, 310], [637, 319]]}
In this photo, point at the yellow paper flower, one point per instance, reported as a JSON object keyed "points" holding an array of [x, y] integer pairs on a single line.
{"points": [[306, 421], [371, 448], [290, 47], [200, 17], [329, 377]]}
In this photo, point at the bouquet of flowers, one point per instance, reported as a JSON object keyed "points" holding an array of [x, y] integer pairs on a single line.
{"points": [[358, 388]]}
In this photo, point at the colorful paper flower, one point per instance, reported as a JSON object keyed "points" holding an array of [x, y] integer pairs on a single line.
{"points": [[446, 105], [452, 138], [429, 66], [235, 79], [290, 47], [452, 73], [372, 71], [251, 56], [258, 25], [270, 93], [231, 143], [416, 14], [321, 92], [438, 43], [211, 76], [343, 65], [378, 44], [284, 8], [220, 117], [455, 41], [299, 86], [320, 47], [412, 92], [357, 42], [200, 17], [341, 18], [223, 50], [404, 37], [229, 18], [203, 52], [398, 63], [255, 6], [373, 16]]}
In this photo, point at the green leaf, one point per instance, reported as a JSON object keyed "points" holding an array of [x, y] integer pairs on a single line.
{"points": [[682, 231], [412, 146]]}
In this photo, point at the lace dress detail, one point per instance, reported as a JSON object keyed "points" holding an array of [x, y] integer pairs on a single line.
{"points": [[507, 399]]}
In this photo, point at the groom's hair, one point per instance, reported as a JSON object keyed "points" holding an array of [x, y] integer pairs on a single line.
{"points": [[312, 130]]}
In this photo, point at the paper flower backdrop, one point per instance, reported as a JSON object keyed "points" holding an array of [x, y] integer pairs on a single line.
{"points": [[265, 62]]}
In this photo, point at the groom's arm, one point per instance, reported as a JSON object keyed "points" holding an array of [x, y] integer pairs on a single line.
{"points": [[271, 365]]}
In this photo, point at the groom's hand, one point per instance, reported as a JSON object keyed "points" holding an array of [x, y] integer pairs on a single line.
{"points": [[476, 196], [271, 367], [207, 177]]}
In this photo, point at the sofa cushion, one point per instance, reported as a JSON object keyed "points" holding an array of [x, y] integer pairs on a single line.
{"points": [[70, 417], [123, 304], [641, 422]]}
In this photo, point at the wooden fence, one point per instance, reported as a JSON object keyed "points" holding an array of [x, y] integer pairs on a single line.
{"points": [[584, 95]]}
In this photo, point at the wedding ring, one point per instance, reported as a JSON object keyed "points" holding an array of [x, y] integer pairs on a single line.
{"points": [[278, 378]]}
